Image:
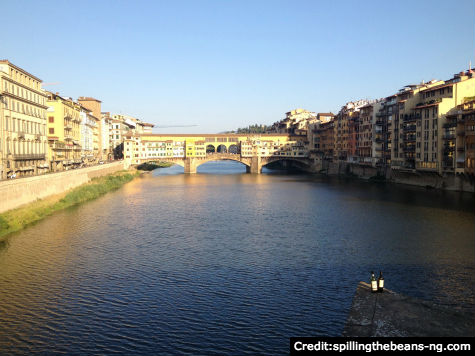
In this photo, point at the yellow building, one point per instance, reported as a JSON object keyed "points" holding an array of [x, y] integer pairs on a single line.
{"points": [[195, 147], [23, 144], [435, 103], [64, 134]]}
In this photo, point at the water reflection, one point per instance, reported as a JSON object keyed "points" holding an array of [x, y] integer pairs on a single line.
{"points": [[170, 263]]}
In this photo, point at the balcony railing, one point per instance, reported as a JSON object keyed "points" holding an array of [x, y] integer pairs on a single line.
{"points": [[448, 136], [410, 117], [449, 124], [427, 165], [28, 156]]}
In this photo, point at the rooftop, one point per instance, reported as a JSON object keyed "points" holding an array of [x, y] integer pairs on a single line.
{"points": [[6, 61]]}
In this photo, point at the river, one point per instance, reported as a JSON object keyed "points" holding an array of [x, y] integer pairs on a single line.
{"points": [[226, 263]]}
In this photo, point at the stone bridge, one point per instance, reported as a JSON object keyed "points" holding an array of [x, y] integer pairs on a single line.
{"points": [[191, 151], [253, 164]]}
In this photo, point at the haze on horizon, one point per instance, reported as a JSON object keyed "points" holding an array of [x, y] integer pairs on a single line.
{"points": [[216, 65]]}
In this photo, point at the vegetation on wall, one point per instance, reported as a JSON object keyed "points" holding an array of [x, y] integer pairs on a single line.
{"points": [[17, 219], [150, 166]]}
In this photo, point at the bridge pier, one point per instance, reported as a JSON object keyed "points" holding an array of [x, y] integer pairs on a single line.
{"points": [[190, 165], [256, 165]]}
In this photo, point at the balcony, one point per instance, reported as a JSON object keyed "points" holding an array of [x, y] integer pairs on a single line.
{"points": [[56, 145], [410, 149], [449, 125], [27, 156], [410, 138], [427, 166], [410, 128], [449, 136]]}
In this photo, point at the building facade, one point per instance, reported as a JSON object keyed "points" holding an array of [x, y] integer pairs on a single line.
{"points": [[88, 130], [435, 103], [23, 142], [64, 132], [94, 105]]}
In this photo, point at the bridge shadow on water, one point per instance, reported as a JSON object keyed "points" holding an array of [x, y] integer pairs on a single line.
{"points": [[352, 187]]}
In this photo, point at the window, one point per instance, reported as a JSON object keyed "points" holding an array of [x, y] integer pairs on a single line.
{"points": [[51, 119], [51, 131]]}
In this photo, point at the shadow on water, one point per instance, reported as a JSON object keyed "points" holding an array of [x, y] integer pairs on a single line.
{"points": [[365, 190], [398, 193]]}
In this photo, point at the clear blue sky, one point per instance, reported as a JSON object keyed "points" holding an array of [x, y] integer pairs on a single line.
{"points": [[225, 64]]}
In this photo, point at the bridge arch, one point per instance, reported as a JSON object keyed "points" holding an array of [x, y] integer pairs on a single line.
{"points": [[223, 157], [210, 149], [300, 162], [176, 161]]}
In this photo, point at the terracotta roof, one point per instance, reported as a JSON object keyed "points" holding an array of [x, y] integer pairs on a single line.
{"points": [[437, 87], [6, 61], [426, 106], [88, 98]]}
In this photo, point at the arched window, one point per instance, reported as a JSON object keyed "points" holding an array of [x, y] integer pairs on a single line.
{"points": [[233, 149], [222, 149]]}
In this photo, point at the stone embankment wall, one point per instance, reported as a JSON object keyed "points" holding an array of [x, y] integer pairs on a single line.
{"points": [[454, 182], [21, 191], [458, 182]]}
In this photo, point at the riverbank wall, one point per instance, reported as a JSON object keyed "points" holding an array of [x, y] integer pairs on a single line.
{"points": [[390, 314], [426, 179], [22, 191]]}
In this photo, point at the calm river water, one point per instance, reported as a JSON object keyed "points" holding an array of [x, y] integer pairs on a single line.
{"points": [[226, 263]]}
